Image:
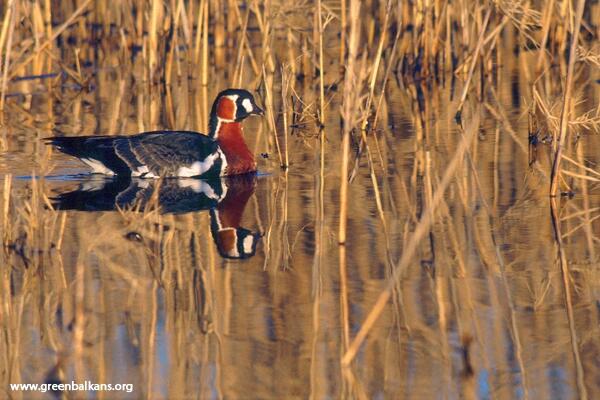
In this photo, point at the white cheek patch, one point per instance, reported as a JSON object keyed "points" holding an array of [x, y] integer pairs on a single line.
{"points": [[197, 168], [248, 243], [248, 105], [97, 166]]}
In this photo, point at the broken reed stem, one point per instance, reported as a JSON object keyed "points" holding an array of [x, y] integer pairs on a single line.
{"points": [[564, 115], [409, 251]]}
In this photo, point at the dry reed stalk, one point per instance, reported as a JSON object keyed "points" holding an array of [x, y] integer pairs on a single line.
{"points": [[49, 41], [38, 32], [286, 78], [245, 42], [150, 353], [566, 282], [343, 22], [579, 213], [586, 223], [268, 80], [412, 246], [205, 45], [199, 31], [321, 73], [546, 23], [61, 232], [345, 314], [314, 348], [566, 106], [579, 176], [502, 117], [168, 67], [6, 206], [8, 25], [580, 165], [185, 22], [587, 219], [316, 276], [386, 77], [375, 65], [264, 24], [349, 104], [478, 48], [239, 64], [48, 17], [80, 322], [155, 15]]}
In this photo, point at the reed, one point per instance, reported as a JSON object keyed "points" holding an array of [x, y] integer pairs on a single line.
{"points": [[6, 35], [350, 111], [566, 106], [420, 231], [379, 181]]}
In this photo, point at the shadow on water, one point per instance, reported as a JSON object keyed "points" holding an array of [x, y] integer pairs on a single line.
{"points": [[225, 199]]}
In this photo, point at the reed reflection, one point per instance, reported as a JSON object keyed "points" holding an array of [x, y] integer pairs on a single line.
{"points": [[225, 199]]}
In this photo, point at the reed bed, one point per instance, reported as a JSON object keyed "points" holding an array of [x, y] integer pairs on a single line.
{"points": [[435, 199]]}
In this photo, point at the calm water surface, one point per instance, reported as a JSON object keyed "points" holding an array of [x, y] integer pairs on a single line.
{"points": [[159, 299]]}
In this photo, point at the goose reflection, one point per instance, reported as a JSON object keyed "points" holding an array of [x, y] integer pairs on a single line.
{"points": [[224, 198]]}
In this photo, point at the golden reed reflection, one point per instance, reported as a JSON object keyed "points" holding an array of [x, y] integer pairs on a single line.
{"points": [[500, 296]]}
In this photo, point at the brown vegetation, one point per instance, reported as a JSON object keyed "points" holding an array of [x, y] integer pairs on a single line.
{"points": [[429, 151]]}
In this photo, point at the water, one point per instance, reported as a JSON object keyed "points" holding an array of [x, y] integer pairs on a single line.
{"points": [[157, 298]]}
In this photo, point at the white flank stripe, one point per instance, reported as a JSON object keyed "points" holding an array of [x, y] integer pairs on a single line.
{"points": [[97, 167], [198, 168], [224, 164]]}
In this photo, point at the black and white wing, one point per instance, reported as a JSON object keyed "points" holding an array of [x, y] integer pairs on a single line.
{"points": [[177, 153]]}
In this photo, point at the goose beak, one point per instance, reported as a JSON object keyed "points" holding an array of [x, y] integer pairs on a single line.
{"points": [[258, 111]]}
